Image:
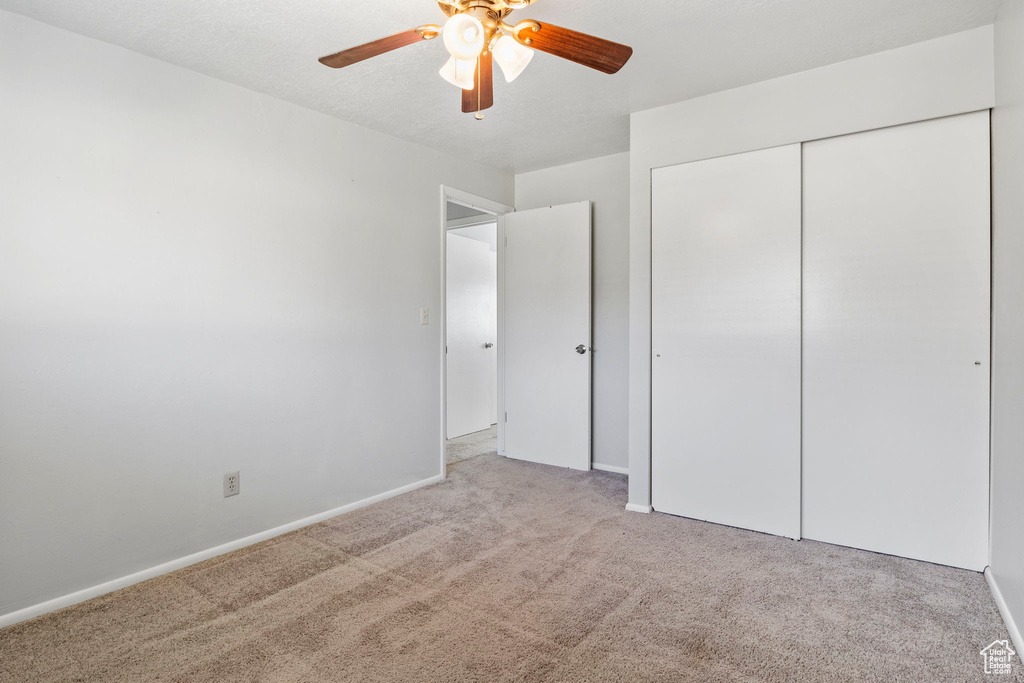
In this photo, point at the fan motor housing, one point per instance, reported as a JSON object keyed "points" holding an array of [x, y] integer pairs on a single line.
{"points": [[497, 9]]}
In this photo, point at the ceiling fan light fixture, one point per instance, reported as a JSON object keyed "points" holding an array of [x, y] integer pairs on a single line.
{"points": [[511, 57], [477, 33], [463, 35], [460, 72]]}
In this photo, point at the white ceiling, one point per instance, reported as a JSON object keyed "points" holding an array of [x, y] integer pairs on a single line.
{"points": [[556, 112]]}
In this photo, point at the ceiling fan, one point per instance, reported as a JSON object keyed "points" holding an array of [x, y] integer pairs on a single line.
{"points": [[476, 34]]}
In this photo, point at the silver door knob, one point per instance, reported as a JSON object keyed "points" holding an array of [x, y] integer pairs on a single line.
{"points": [[581, 349], [488, 345]]}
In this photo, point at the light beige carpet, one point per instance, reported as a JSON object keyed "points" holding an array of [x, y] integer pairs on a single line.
{"points": [[471, 445], [510, 571]]}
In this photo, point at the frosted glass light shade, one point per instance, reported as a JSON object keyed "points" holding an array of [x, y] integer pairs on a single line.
{"points": [[511, 57], [464, 37], [460, 72]]}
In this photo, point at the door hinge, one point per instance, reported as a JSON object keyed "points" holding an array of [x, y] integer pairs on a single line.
{"points": [[506, 418]]}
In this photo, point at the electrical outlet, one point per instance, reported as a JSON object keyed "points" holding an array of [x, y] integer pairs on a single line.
{"points": [[232, 484], [424, 316]]}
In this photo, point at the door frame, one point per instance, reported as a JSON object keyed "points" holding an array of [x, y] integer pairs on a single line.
{"points": [[496, 211]]}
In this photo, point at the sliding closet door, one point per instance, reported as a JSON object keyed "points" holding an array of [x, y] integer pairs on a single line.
{"points": [[896, 340], [726, 340]]}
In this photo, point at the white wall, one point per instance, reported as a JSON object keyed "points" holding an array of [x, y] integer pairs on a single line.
{"points": [[1007, 521], [488, 233], [949, 75], [605, 182], [196, 278]]}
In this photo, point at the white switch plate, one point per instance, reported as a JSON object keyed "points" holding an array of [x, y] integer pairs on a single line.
{"points": [[424, 316]]}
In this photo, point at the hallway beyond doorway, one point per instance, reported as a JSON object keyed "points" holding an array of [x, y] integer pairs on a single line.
{"points": [[471, 445]]}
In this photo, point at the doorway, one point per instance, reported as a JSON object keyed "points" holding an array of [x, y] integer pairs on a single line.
{"points": [[471, 378], [471, 336], [541, 351]]}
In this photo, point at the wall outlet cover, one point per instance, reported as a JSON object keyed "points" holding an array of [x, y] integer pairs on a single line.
{"points": [[232, 484], [424, 316]]}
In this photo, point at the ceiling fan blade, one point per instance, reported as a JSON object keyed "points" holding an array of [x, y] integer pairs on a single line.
{"points": [[377, 47], [482, 95], [597, 53]]}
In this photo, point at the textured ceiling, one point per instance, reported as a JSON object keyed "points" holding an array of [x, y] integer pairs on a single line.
{"points": [[556, 112]]}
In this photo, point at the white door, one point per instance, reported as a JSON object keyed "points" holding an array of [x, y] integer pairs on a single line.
{"points": [[547, 335], [726, 340], [470, 319], [896, 340], [492, 334]]}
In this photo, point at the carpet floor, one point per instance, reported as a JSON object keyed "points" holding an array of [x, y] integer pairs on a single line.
{"points": [[471, 445], [509, 571]]}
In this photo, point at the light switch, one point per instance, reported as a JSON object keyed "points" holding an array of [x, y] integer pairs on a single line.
{"points": [[424, 316]]}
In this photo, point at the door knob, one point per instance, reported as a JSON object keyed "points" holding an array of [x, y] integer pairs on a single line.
{"points": [[581, 349], [488, 345]]}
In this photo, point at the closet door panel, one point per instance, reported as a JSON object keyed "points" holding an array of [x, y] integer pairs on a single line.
{"points": [[896, 340], [726, 340]]}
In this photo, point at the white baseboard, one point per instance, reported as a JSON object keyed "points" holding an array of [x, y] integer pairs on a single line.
{"points": [[633, 507], [610, 468], [181, 562], [1004, 611]]}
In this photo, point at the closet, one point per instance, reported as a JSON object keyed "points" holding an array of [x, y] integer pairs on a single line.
{"points": [[726, 331], [896, 340], [823, 372]]}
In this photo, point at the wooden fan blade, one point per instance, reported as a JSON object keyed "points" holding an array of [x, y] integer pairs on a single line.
{"points": [[597, 53], [482, 95], [377, 47]]}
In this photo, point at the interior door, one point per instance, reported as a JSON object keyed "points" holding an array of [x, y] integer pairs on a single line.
{"points": [[726, 340], [547, 335], [492, 335], [471, 315], [896, 340]]}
